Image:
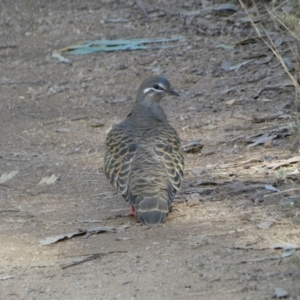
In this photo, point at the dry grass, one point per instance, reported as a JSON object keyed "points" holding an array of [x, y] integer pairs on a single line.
{"points": [[285, 17]]}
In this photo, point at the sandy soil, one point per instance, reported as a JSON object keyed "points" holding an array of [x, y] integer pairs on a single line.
{"points": [[218, 246]]}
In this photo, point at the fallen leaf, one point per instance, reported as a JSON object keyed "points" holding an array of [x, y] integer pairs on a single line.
{"points": [[265, 224], [226, 47], [61, 237], [95, 123], [236, 185], [280, 293], [225, 8], [62, 130], [62, 59], [284, 245], [264, 60], [284, 163], [102, 229], [193, 199], [79, 117], [118, 20], [88, 47], [192, 147], [271, 188], [228, 67], [87, 233], [288, 62], [8, 176], [231, 102], [260, 140], [123, 238], [288, 252], [276, 86], [5, 277], [48, 180]]}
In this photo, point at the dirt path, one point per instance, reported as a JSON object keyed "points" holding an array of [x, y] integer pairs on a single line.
{"points": [[218, 248]]}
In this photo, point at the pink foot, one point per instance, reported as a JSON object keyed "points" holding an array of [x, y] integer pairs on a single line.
{"points": [[131, 212]]}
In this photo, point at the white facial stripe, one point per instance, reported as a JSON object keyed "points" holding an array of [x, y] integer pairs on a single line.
{"points": [[152, 89]]}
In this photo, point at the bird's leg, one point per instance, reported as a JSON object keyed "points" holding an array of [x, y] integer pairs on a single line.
{"points": [[131, 212]]}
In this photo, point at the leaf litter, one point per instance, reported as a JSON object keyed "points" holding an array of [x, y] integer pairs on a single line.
{"points": [[86, 233], [48, 180], [8, 176]]}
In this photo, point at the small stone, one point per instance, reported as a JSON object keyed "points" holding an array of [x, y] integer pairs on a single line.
{"points": [[193, 199]]}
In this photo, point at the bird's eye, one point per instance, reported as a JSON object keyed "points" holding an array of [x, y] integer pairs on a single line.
{"points": [[157, 87]]}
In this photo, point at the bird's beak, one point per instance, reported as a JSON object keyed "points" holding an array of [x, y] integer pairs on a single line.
{"points": [[171, 92]]}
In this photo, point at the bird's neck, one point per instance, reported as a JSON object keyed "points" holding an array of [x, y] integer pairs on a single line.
{"points": [[149, 109]]}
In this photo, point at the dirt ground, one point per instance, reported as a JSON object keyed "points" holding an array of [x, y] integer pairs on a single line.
{"points": [[217, 245]]}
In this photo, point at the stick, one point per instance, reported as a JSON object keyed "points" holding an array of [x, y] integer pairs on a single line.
{"points": [[137, 2], [18, 189], [94, 256]]}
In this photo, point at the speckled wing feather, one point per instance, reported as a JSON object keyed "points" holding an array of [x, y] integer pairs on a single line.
{"points": [[145, 163], [120, 152]]}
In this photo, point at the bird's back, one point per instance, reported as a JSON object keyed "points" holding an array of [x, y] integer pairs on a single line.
{"points": [[144, 162]]}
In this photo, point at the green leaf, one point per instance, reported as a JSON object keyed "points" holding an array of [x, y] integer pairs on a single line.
{"points": [[88, 47]]}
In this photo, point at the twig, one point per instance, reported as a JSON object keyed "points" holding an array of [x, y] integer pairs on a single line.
{"points": [[9, 210], [226, 232], [260, 259], [280, 192], [55, 121], [244, 189], [21, 137], [173, 217], [18, 189], [94, 256], [164, 10], [137, 2]]}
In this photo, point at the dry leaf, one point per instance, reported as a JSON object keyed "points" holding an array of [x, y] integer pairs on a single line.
{"points": [[260, 140], [61, 237], [193, 199], [265, 224], [192, 147], [95, 230], [284, 163], [123, 238], [95, 123], [280, 293], [271, 188], [5, 277], [48, 180], [284, 245], [231, 102], [8, 176], [228, 67], [288, 252]]}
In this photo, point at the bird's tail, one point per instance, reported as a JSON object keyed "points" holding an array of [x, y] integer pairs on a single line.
{"points": [[152, 208]]}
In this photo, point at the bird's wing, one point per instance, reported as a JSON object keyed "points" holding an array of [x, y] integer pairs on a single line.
{"points": [[121, 148], [167, 147]]}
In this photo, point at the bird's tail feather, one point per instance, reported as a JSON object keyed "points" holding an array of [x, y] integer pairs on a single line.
{"points": [[152, 209]]}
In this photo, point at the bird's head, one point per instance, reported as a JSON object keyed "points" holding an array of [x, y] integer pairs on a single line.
{"points": [[154, 88]]}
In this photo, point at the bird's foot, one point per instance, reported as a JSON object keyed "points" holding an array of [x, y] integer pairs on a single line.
{"points": [[131, 212]]}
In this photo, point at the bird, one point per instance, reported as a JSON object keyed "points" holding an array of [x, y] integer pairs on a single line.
{"points": [[143, 158]]}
